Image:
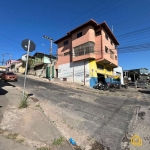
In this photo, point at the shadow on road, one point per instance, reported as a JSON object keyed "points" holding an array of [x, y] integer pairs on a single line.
{"points": [[144, 91], [2, 91], [3, 84]]}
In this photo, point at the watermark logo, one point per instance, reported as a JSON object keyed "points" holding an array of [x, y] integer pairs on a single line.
{"points": [[136, 140]]}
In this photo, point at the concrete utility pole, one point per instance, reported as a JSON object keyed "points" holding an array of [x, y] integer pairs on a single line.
{"points": [[51, 40], [3, 57]]}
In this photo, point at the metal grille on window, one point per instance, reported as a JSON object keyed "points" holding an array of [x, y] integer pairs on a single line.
{"points": [[83, 49]]}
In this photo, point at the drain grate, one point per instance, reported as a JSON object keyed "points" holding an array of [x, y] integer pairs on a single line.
{"points": [[34, 99]]}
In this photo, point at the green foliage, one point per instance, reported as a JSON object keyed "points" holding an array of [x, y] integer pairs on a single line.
{"points": [[12, 136], [58, 141], [23, 103], [30, 63]]}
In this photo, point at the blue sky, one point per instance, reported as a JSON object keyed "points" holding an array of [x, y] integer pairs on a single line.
{"points": [[21, 19]]}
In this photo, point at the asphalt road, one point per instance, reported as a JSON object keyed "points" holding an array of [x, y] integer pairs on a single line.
{"points": [[105, 117]]}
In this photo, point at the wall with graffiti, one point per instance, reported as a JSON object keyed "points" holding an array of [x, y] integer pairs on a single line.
{"points": [[75, 72]]}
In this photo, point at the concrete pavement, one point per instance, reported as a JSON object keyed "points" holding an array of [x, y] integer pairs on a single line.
{"points": [[87, 116], [27, 128]]}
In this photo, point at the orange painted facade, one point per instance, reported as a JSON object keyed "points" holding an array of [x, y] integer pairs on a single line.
{"points": [[66, 53]]}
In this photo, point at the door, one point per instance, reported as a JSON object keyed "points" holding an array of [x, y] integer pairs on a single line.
{"points": [[47, 72], [52, 71]]}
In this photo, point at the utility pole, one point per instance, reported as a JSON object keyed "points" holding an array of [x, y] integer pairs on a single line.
{"points": [[3, 57], [51, 40]]}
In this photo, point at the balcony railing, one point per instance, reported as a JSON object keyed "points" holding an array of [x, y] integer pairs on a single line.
{"points": [[83, 52], [84, 49]]}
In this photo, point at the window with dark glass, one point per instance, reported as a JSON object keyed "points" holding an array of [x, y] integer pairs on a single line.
{"points": [[111, 42], [97, 33], [108, 69], [111, 54], [83, 49], [66, 42], [79, 34], [115, 57], [67, 53], [106, 36], [106, 49], [100, 66]]}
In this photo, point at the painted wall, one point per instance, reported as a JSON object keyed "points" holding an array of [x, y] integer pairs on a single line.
{"points": [[10, 62], [46, 60], [21, 69], [97, 48], [120, 70], [40, 71], [64, 49], [24, 57], [2, 68], [108, 44], [38, 60], [88, 34], [74, 72], [94, 70]]}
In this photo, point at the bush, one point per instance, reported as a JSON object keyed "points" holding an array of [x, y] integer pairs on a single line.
{"points": [[23, 103]]}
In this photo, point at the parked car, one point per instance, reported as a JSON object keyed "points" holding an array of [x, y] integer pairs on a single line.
{"points": [[141, 84], [1, 72], [9, 76], [131, 84]]}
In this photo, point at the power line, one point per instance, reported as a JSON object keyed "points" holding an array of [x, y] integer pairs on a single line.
{"points": [[99, 11]]}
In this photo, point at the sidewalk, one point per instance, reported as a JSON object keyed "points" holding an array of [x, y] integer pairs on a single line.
{"points": [[65, 83], [81, 87], [57, 81], [26, 128]]}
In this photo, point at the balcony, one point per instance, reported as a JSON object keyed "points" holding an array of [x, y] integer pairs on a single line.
{"points": [[84, 56], [84, 51]]}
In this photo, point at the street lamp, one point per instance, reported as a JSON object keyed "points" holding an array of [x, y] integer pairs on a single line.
{"points": [[51, 59]]}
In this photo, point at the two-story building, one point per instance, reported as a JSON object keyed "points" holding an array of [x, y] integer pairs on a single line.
{"points": [[87, 54], [44, 65], [41, 65], [8, 64]]}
